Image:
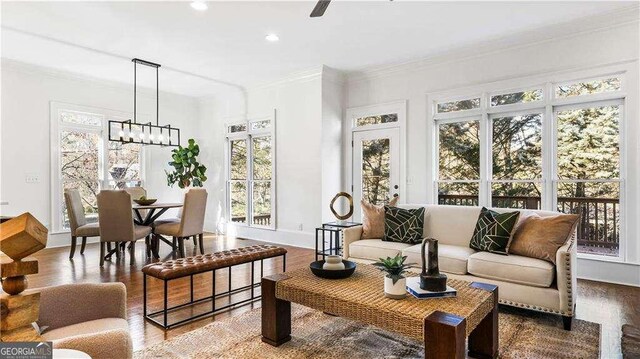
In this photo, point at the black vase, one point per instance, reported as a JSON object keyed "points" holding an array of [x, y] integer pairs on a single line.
{"points": [[431, 279]]}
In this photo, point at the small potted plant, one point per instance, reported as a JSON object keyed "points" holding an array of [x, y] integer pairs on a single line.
{"points": [[395, 284]]}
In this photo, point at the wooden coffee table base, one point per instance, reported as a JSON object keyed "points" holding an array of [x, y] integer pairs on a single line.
{"points": [[444, 333]]}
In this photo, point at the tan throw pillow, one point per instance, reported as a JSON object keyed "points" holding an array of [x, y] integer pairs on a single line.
{"points": [[540, 237], [373, 219]]}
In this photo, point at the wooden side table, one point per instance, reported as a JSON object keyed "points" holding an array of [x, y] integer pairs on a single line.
{"points": [[333, 232]]}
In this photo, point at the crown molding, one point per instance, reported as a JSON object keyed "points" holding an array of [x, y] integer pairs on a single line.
{"points": [[562, 30], [298, 76], [31, 69]]}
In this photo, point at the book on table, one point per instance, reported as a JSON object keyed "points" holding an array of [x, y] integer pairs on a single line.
{"points": [[413, 287]]}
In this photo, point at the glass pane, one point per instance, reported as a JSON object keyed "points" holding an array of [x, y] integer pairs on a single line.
{"points": [[517, 147], [88, 191], [516, 97], [262, 203], [238, 155], [588, 87], [260, 124], [237, 128], [239, 201], [459, 151], [459, 105], [81, 118], [262, 158], [599, 206], [79, 155], [124, 163], [376, 170], [376, 120], [458, 193], [588, 143], [525, 195]]}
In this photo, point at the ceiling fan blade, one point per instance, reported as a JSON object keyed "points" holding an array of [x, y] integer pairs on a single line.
{"points": [[320, 8]]}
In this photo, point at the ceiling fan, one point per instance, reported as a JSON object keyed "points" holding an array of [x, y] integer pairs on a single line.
{"points": [[320, 8]]}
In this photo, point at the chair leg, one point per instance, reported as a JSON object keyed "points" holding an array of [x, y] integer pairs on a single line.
{"points": [[109, 246], [200, 238], [147, 245], [156, 246], [132, 252], [181, 245], [117, 247], [84, 243], [73, 247], [102, 245], [195, 242]]}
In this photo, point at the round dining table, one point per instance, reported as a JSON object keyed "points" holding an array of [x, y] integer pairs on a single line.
{"points": [[154, 211]]}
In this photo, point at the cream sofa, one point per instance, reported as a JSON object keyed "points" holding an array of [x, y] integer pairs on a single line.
{"points": [[523, 282]]}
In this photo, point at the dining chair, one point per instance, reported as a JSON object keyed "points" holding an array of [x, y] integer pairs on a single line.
{"points": [[191, 222], [116, 222], [78, 221]]}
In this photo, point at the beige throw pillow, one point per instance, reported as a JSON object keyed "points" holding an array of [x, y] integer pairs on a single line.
{"points": [[540, 237], [373, 219]]}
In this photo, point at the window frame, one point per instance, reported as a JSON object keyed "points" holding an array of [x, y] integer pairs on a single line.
{"points": [[547, 107], [248, 136], [56, 126]]}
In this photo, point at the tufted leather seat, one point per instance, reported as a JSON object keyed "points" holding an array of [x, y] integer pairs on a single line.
{"points": [[206, 262]]}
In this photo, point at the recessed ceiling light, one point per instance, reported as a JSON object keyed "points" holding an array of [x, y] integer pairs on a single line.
{"points": [[272, 37], [199, 5]]}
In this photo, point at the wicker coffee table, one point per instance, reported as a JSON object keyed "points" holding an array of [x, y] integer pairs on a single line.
{"points": [[443, 324]]}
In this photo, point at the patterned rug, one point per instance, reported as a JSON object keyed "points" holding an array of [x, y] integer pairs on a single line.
{"points": [[523, 334]]}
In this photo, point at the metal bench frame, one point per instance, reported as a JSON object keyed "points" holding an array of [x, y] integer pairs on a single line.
{"points": [[166, 309]]}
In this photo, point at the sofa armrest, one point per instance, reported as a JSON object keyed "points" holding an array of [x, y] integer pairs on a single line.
{"points": [[351, 235], [566, 276], [105, 345], [81, 303]]}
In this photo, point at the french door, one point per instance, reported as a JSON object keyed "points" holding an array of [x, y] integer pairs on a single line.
{"points": [[376, 167]]}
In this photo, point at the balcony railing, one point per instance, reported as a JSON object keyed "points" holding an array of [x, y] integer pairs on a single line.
{"points": [[599, 217], [261, 220]]}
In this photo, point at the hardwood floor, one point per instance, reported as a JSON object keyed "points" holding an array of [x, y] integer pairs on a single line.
{"points": [[610, 305]]}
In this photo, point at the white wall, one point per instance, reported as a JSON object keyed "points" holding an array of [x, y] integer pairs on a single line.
{"points": [[26, 94], [412, 82], [297, 102]]}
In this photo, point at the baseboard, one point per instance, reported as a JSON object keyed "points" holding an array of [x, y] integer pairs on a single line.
{"points": [[609, 272]]}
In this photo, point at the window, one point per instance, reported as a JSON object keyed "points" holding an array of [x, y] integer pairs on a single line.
{"points": [[250, 173], [459, 162], [376, 120], [526, 149], [461, 105], [84, 159]]}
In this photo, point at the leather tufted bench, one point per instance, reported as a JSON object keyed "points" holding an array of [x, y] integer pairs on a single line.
{"points": [[190, 266]]}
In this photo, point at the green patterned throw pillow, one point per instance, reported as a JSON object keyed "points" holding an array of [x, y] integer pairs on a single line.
{"points": [[403, 225], [493, 231]]}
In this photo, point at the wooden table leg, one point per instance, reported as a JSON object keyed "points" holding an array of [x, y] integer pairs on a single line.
{"points": [[483, 340], [276, 313], [444, 336]]}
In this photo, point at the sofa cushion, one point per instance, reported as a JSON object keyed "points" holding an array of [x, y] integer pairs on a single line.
{"points": [[451, 259], [84, 328], [403, 225], [373, 219], [493, 231], [512, 268], [374, 249], [540, 237]]}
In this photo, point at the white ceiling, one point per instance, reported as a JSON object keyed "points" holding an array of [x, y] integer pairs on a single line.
{"points": [[227, 43]]}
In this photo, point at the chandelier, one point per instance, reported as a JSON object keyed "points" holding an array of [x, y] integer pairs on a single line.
{"points": [[130, 131]]}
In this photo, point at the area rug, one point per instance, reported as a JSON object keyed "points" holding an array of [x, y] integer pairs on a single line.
{"points": [[523, 334]]}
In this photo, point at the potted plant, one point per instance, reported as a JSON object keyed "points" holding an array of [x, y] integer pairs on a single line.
{"points": [[186, 169], [395, 284]]}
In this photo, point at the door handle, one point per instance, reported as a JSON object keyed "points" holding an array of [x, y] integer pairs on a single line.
{"points": [[395, 195], [395, 187]]}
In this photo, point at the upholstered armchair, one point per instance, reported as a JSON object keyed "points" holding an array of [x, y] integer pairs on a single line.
{"points": [[88, 317], [77, 220]]}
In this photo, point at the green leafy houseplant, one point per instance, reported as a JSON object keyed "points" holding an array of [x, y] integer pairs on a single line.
{"points": [[187, 171], [394, 267]]}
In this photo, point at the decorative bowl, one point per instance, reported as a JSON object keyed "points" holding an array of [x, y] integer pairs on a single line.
{"points": [[349, 268], [145, 202]]}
